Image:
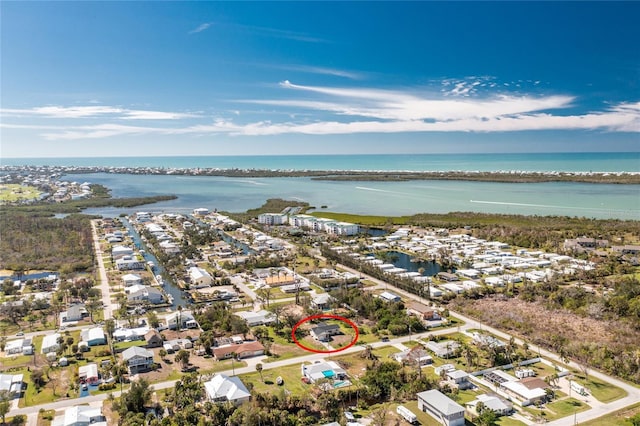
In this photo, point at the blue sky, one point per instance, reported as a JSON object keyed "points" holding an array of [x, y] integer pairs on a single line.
{"points": [[217, 78]]}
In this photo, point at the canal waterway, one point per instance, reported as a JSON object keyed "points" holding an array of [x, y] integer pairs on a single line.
{"points": [[169, 287]]}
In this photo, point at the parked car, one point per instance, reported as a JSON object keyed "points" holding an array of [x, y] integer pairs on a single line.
{"points": [[20, 333]]}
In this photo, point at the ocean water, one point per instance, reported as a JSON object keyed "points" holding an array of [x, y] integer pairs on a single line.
{"points": [[375, 198], [570, 162]]}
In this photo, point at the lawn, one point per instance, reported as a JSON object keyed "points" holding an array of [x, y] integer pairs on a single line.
{"points": [[602, 391], [46, 417], [13, 192], [227, 364], [508, 421], [385, 352], [120, 346], [290, 374], [559, 409], [617, 418], [423, 417]]}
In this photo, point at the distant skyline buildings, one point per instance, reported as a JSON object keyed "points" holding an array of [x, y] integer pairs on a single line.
{"points": [[82, 79]]}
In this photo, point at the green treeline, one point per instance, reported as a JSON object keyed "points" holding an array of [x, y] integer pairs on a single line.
{"points": [[547, 232], [32, 238], [37, 242]]}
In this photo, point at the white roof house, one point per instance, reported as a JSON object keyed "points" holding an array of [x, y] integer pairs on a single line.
{"points": [[119, 251], [11, 383], [93, 336], [131, 279], [222, 388], [323, 370], [522, 394], [493, 403], [50, 343], [257, 318], [88, 373], [199, 277], [81, 415], [13, 347]]}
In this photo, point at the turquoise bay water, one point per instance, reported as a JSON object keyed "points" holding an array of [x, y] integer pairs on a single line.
{"points": [[570, 162], [376, 198]]}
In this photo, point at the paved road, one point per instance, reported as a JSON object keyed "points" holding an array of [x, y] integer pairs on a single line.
{"points": [[104, 280]]}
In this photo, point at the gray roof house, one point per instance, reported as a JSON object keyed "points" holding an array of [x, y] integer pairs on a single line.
{"points": [[323, 332], [441, 407], [146, 294], [138, 359]]}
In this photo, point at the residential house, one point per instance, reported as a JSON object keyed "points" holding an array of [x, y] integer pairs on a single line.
{"points": [[88, 373], [185, 318], [12, 384], [387, 296], [13, 347], [93, 336], [447, 276], [137, 359], [80, 415], [50, 343], [153, 339], [493, 403], [323, 332], [146, 295], [486, 340], [243, 350], [199, 277], [441, 407], [177, 344], [423, 312], [459, 379], [257, 318], [131, 279], [443, 349], [118, 252], [322, 301], [129, 334], [323, 370], [222, 388], [413, 356], [74, 313], [522, 394], [128, 263]]}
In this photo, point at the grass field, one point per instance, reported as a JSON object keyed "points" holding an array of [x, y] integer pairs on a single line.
{"points": [[602, 391], [559, 409], [617, 418], [10, 193], [290, 374]]}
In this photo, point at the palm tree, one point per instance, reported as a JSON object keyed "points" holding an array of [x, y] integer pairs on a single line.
{"points": [[183, 358], [259, 370], [179, 318], [233, 367]]}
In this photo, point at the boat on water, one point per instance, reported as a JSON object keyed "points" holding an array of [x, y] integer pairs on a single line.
{"points": [[151, 264]]}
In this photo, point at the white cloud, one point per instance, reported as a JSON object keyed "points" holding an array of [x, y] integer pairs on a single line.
{"points": [[200, 28], [94, 111], [336, 110], [322, 71]]}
